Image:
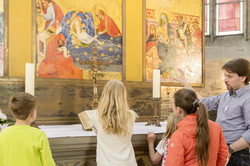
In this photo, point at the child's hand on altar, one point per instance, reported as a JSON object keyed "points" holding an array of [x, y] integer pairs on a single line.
{"points": [[151, 137]]}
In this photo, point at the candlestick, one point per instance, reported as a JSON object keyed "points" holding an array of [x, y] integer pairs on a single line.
{"points": [[155, 120], [156, 83], [30, 78]]}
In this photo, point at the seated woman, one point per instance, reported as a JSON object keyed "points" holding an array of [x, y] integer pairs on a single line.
{"points": [[57, 62]]}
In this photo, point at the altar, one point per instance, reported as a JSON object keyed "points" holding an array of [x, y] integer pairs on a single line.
{"points": [[73, 146]]}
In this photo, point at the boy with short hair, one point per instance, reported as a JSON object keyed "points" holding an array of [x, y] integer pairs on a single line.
{"points": [[21, 144]]}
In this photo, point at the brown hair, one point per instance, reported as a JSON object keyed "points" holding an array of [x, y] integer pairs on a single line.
{"points": [[188, 101], [21, 104], [240, 66], [171, 127], [100, 11]]}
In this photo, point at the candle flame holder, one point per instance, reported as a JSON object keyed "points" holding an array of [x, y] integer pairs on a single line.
{"points": [[155, 120]]}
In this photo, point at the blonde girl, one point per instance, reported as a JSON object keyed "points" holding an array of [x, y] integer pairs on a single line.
{"points": [[161, 148], [113, 123]]}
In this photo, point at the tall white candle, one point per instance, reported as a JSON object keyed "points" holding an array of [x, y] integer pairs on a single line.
{"points": [[30, 78], [156, 83]]}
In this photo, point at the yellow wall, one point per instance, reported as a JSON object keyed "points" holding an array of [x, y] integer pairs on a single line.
{"points": [[20, 38], [134, 40]]}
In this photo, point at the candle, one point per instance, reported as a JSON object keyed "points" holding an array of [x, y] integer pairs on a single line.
{"points": [[156, 83], [30, 78]]}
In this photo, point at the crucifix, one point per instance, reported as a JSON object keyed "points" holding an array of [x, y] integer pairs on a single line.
{"points": [[95, 66]]}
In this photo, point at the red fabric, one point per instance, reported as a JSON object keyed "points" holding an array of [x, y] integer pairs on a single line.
{"points": [[55, 65], [181, 149], [150, 44], [112, 28], [197, 34], [58, 13], [66, 68]]}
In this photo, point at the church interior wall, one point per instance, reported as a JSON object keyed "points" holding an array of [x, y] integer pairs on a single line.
{"points": [[59, 100]]}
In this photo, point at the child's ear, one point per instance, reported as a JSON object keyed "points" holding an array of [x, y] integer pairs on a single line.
{"points": [[179, 110], [33, 113]]}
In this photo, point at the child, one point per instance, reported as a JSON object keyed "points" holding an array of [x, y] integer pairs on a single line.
{"points": [[161, 148], [21, 144], [113, 123], [197, 141]]}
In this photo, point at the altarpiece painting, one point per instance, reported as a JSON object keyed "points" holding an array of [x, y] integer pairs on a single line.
{"points": [[68, 30], [174, 39]]}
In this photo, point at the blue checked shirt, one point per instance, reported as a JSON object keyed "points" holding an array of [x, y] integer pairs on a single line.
{"points": [[233, 113]]}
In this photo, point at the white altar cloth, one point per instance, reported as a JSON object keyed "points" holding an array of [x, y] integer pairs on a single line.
{"points": [[76, 130]]}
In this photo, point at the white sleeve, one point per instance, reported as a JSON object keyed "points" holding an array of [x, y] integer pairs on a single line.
{"points": [[94, 121], [160, 148], [50, 15]]}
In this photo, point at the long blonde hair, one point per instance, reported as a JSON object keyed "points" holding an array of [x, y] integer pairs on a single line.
{"points": [[113, 109], [171, 127]]}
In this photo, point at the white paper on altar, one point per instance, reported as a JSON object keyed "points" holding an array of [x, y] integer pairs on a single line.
{"points": [[77, 131]]}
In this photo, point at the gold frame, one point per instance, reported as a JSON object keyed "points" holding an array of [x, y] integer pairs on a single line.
{"points": [[33, 51], [202, 48]]}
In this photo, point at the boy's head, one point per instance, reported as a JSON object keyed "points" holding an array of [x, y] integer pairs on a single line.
{"points": [[21, 105]]}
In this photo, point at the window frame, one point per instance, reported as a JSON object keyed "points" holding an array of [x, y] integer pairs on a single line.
{"points": [[217, 19], [207, 33]]}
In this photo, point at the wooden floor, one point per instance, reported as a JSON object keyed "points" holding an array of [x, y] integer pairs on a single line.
{"points": [[81, 151]]}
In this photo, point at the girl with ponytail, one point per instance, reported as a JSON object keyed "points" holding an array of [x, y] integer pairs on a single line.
{"points": [[197, 141]]}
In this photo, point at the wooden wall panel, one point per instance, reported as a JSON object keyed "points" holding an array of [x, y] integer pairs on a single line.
{"points": [[60, 100]]}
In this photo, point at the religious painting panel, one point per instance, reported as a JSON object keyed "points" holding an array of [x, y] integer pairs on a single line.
{"points": [[75, 38], [2, 37], [174, 39]]}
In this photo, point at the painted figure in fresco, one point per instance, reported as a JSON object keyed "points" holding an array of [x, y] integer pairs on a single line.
{"points": [[183, 32], [57, 62], [80, 33], [162, 30], [52, 13], [107, 25], [197, 36], [164, 47], [152, 58]]}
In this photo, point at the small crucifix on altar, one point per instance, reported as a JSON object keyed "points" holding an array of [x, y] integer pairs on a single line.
{"points": [[95, 66]]}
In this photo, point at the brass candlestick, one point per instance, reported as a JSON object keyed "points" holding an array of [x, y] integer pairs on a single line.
{"points": [[157, 114]]}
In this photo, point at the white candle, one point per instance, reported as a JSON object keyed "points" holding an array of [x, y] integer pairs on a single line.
{"points": [[30, 78], [156, 83]]}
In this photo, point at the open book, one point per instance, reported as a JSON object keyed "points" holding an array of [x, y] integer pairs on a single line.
{"points": [[85, 118]]}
